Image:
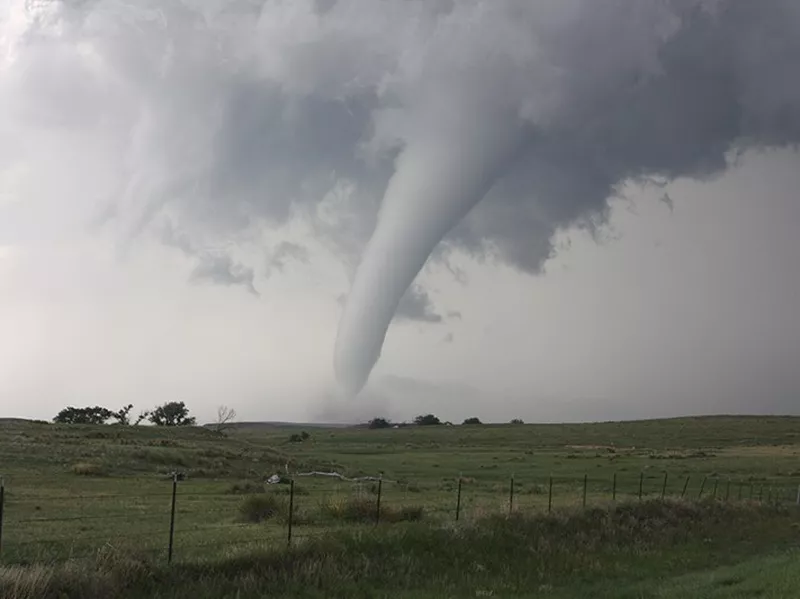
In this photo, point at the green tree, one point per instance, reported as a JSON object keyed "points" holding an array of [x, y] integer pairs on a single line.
{"points": [[517, 421], [379, 423], [173, 413], [426, 420], [472, 420], [122, 416], [88, 415]]}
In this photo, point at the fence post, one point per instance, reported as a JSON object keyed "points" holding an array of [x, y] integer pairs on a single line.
{"points": [[751, 491], [664, 486], [702, 487], [685, 486], [728, 490], [641, 484], [585, 483], [716, 484], [291, 513], [550, 496], [761, 493], [172, 517], [798, 495], [739, 496], [511, 496], [614, 488], [2, 504], [458, 499], [378, 503]]}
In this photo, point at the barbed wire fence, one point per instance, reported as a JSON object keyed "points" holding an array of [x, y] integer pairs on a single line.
{"points": [[185, 522]]}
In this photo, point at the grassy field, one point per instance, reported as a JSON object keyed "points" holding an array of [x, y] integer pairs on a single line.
{"points": [[71, 491]]}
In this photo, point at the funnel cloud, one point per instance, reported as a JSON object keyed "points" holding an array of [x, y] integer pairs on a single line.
{"points": [[395, 131]]}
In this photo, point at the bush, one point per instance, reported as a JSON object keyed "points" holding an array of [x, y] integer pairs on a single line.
{"points": [[173, 413], [472, 420], [262, 506], [89, 415], [364, 509], [245, 488], [517, 421], [379, 423], [426, 420], [88, 469]]}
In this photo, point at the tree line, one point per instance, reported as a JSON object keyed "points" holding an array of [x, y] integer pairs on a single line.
{"points": [[172, 413], [426, 420]]}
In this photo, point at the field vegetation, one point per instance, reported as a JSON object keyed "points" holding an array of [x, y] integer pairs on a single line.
{"points": [[87, 510]]}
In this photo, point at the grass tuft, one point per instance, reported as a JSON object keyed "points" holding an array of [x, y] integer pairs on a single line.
{"points": [[261, 507], [88, 469], [507, 555]]}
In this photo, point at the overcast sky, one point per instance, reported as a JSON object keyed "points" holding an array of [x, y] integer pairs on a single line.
{"points": [[185, 194]]}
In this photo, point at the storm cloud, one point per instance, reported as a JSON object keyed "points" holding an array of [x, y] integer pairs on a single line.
{"points": [[228, 118]]}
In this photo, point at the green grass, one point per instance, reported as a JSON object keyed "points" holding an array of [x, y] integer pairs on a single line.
{"points": [[72, 491], [624, 552]]}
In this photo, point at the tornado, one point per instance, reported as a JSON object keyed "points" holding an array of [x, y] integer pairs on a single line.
{"points": [[446, 167]]}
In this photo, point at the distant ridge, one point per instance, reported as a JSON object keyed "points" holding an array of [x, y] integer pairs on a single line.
{"points": [[279, 424]]}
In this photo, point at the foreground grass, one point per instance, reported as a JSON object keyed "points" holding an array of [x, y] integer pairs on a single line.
{"points": [[763, 577], [73, 489], [563, 555]]}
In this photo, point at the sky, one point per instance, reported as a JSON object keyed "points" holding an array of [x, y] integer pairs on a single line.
{"points": [[186, 195]]}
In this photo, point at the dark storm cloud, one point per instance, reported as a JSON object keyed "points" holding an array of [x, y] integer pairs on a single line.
{"points": [[416, 305], [524, 116], [221, 269], [241, 112], [286, 252]]}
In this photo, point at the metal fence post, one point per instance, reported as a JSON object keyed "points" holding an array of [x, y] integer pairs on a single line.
{"points": [[378, 503], [614, 487], [716, 484], [702, 487], [761, 493], [458, 499], [641, 484], [685, 486], [291, 513], [664, 486], [585, 484], [550, 496], [2, 504], [172, 517], [511, 496]]}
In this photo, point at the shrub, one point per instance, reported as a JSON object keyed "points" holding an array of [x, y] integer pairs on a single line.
{"points": [[88, 469], [472, 420], [426, 420], [172, 413], [517, 421], [379, 423], [364, 509], [262, 506], [245, 488]]}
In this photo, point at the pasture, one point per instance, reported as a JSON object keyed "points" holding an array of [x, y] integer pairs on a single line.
{"points": [[74, 492]]}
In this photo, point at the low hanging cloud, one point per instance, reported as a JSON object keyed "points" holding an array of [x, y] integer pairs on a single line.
{"points": [[285, 253], [237, 114], [416, 305], [494, 123], [222, 270]]}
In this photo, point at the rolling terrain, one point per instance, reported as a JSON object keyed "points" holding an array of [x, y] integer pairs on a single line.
{"points": [[73, 493]]}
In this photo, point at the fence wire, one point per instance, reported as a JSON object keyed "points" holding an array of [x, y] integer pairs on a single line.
{"points": [[187, 523]]}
